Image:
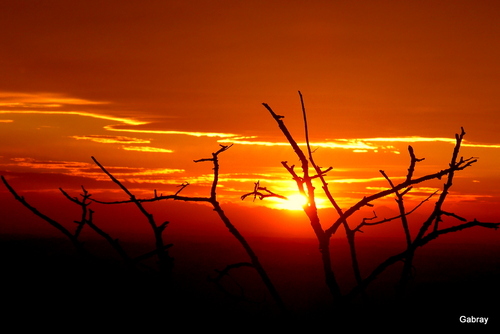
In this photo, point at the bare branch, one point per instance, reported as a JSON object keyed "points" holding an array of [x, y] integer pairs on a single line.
{"points": [[413, 162], [407, 213], [152, 253], [261, 195], [307, 189], [418, 243], [156, 199], [49, 220], [234, 231], [181, 188], [366, 200], [365, 222], [165, 261], [435, 216], [225, 272], [450, 214]]}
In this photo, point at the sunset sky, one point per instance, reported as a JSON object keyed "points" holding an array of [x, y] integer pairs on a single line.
{"points": [[148, 87]]}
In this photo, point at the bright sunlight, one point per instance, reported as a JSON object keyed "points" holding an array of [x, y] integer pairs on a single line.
{"points": [[293, 202]]}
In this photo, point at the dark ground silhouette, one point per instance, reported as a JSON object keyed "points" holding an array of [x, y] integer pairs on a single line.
{"points": [[45, 283]]}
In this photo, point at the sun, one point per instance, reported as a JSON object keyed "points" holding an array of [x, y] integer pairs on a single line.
{"points": [[293, 202]]}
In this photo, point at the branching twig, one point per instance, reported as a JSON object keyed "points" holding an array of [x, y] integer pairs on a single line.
{"points": [[165, 260], [87, 218], [235, 232], [306, 188], [400, 190], [261, 193], [366, 200]]}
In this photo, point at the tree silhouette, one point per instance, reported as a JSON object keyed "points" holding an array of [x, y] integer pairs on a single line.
{"points": [[212, 199], [86, 219], [165, 261], [307, 177], [429, 230]]}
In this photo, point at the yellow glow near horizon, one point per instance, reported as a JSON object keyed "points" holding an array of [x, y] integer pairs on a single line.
{"points": [[294, 202]]}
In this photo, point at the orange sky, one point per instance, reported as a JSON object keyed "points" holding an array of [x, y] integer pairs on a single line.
{"points": [[148, 87]]}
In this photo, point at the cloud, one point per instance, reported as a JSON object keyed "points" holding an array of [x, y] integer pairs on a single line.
{"points": [[124, 140], [353, 144], [41, 100], [112, 139], [146, 149], [123, 122], [128, 121], [83, 169], [172, 132], [359, 145], [481, 145]]}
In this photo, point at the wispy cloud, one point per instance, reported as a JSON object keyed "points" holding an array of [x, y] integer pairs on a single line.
{"points": [[358, 145], [172, 132], [146, 149], [414, 139], [51, 103], [481, 145], [353, 144], [41, 100], [104, 139], [112, 139], [128, 121]]}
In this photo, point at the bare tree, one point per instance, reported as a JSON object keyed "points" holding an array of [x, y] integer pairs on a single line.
{"points": [[86, 219], [306, 177], [161, 248], [429, 230], [213, 201]]}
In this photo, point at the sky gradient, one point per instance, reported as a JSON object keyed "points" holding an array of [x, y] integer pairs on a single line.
{"points": [[148, 87]]}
